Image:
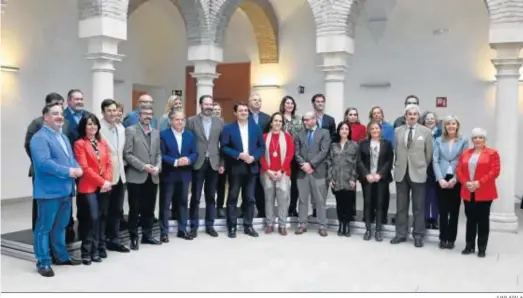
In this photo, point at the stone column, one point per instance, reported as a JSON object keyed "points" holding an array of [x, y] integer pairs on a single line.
{"points": [[103, 34], [335, 51], [507, 64], [205, 59]]}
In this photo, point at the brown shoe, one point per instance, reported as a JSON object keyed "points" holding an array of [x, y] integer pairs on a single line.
{"points": [[283, 231], [269, 230], [300, 231], [323, 232]]}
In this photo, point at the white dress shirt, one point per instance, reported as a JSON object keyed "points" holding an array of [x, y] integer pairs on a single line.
{"points": [[407, 133], [244, 133], [178, 137]]}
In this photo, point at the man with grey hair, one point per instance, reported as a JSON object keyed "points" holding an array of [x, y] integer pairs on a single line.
{"points": [[311, 149], [144, 158], [413, 148], [134, 118]]}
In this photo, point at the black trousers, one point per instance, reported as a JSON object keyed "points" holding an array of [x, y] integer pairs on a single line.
{"points": [[206, 178], [386, 201], [449, 202], [114, 213], [374, 197], [92, 213], [220, 191], [259, 196], [478, 222], [142, 200], [294, 186], [344, 204], [246, 182]]}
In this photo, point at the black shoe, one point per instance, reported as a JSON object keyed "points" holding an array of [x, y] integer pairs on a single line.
{"points": [[418, 242], [117, 247], [102, 253], [468, 250], [194, 233], [428, 225], [46, 271], [184, 235], [450, 245], [211, 231], [314, 213], [378, 236], [251, 232], [397, 240], [346, 229], [150, 240], [134, 244], [481, 253], [443, 244], [231, 233], [96, 259], [367, 235], [164, 238], [86, 262], [70, 262], [434, 225]]}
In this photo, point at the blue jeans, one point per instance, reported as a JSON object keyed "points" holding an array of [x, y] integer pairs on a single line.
{"points": [[53, 217]]}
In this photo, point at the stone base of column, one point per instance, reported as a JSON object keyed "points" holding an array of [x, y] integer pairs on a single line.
{"points": [[503, 222]]}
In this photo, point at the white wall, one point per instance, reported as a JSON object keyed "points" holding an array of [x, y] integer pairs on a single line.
{"points": [[43, 42]]}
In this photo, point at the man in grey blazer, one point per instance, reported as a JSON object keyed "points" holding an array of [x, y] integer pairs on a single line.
{"points": [[207, 128], [312, 147], [413, 149], [144, 158], [114, 134]]}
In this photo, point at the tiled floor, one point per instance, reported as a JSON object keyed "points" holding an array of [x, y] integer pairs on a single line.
{"points": [[275, 263]]}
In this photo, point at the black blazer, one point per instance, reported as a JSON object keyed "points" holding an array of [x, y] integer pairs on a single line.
{"points": [[263, 120], [329, 124], [385, 160]]}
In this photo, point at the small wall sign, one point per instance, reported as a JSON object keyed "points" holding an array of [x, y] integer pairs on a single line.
{"points": [[441, 102], [301, 89], [177, 92]]}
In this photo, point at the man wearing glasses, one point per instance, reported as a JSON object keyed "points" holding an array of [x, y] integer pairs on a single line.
{"points": [[409, 100]]}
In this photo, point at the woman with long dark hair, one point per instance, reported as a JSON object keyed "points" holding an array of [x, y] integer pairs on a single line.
{"points": [[375, 162], [342, 175], [94, 157], [358, 130]]}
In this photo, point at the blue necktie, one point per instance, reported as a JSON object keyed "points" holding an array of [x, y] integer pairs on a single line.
{"points": [[309, 139]]}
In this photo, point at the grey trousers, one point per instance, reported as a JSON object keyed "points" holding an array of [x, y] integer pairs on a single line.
{"points": [[403, 189], [278, 191], [317, 190]]}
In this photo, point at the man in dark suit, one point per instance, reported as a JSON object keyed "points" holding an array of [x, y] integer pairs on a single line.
{"points": [[207, 129], [74, 113], [144, 159], [179, 153], [262, 119], [409, 100], [324, 121], [35, 126], [242, 144]]}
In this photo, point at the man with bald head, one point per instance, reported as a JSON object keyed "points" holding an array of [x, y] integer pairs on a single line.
{"points": [[133, 117], [311, 149]]}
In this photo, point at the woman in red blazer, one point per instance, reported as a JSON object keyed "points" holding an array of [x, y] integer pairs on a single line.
{"points": [[276, 172], [92, 153], [358, 130], [477, 170]]}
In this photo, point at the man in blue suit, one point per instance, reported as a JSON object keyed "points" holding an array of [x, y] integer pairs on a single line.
{"points": [[74, 113], [179, 153], [55, 171], [262, 119], [242, 145], [132, 118]]}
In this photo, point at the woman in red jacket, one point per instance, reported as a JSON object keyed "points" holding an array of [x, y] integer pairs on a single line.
{"points": [[92, 153], [358, 130], [477, 170], [276, 172]]}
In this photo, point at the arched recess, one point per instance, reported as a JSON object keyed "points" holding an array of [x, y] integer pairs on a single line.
{"points": [[264, 22], [192, 14]]}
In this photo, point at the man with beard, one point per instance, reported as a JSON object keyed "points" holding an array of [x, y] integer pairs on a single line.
{"points": [[207, 128], [74, 113], [55, 169]]}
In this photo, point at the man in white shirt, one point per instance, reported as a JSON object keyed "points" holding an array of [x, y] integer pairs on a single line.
{"points": [[114, 135]]}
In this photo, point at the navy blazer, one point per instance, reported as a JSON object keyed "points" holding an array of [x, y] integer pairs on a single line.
{"points": [[51, 165], [169, 147], [72, 127], [231, 146], [263, 120], [329, 124]]}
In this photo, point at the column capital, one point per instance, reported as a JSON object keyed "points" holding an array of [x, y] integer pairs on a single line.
{"points": [[507, 67], [335, 66], [103, 51], [337, 43], [506, 33], [103, 26], [204, 78], [205, 53]]}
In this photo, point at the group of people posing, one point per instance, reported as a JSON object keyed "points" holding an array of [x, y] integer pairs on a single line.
{"points": [[280, 163]]}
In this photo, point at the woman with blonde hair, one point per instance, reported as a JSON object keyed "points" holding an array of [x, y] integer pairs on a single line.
{"points": [[447, 150], [174, 103]]}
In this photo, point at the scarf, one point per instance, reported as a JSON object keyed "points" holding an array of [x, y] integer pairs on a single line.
{"points": [[283, 147]]}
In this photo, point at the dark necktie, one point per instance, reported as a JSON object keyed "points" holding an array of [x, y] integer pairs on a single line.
{"points": [[309, 139], [409, 137]]}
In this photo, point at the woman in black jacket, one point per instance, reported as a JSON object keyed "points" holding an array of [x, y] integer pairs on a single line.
{"points": [[375, 161]]}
